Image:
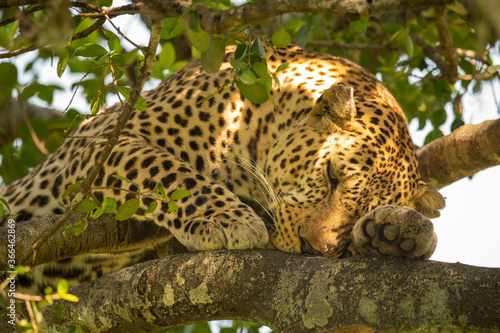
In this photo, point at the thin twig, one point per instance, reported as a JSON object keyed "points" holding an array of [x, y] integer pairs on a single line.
{"points": [[25, 12], [39, 145], [18, 52], [121, 34], [479, 76], [84, 33], [473, 55]]}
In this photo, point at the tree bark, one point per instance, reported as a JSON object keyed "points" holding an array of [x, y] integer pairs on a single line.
{"points": [[291, 293], [102, 235], [469, 149]]}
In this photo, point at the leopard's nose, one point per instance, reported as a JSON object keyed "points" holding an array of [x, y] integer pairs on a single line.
{"points": [[331, 247], [307, 248]]}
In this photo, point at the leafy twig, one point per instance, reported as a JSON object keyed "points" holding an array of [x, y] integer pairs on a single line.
{"points": [[149, 61]]}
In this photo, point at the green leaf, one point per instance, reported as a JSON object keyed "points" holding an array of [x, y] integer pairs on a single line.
{"points": [[79, 227], [200, 39], [123, 178], [409, 46], [433, 135], [86, 206], [294, 24], [4, 202], [281, 38], [159, 190], [493, 68], [261, 70], [282, 67], [72, 188], [141, 104], [241, 51], [303, 35], [398, 34], [438, 118], [113, 40], [2, 208], [152, 207], [172, 26], [62, 287], [212, 58], [107, 206], [258, 48], [179, 194], [457, 123], [172, 207], [128, 209], [106, 3], [248, 77], [201, 328], [358, 27], [125, 91], [69, 297], [255, 93], [194, 21], [96, 103], [91, 50], [63, 62], [165, 61], [8, 73]]}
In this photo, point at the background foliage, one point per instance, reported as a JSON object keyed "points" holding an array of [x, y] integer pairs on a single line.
{"points": [[407, 50]]}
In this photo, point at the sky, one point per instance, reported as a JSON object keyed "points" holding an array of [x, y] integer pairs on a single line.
{"points": [[469, 227]]}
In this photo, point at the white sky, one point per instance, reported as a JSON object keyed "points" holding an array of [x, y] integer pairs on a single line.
{"points": [[469, 227]]}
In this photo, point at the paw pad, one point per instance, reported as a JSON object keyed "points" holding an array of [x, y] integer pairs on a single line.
{"points": [[391, 232], [396, 231]]}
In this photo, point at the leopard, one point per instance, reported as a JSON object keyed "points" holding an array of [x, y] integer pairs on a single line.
{"points": [[325, 167]]}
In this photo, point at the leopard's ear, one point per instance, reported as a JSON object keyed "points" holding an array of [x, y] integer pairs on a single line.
{"points": [[335, 107], [427, 200]]}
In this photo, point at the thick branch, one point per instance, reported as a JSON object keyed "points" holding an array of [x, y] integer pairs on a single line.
{"points": [[218, 22], [291, 293], [103, 235], [361, 47], [469, 149]]}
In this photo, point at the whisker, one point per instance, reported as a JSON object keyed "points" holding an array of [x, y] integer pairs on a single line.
{"points": [[260, 180]]}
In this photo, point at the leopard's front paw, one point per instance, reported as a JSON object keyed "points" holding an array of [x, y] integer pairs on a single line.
{"points": [[222, 231], [396, 231]]}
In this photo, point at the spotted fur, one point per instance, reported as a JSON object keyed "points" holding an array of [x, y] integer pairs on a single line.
{"points": [[335, 148]]}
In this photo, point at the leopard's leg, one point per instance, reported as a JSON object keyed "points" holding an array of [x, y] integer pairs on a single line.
{"points": [[394, 230], [211, 218]]}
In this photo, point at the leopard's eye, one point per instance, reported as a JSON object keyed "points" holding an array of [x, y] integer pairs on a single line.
{"points": [[332, 178]]}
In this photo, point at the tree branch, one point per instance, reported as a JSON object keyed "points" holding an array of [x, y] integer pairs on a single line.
{"points": [[448, 49], [218, 22], [291, 293], [361, 47], [102, 235], [467, 150]]}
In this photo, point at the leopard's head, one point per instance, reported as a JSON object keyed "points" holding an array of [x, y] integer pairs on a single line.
{"points": [[343, 160]]}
